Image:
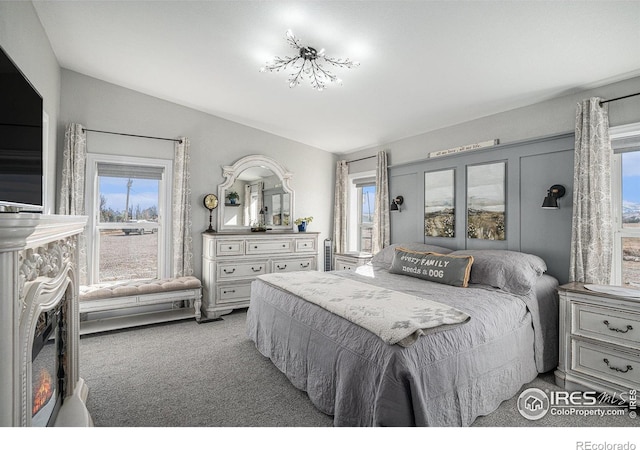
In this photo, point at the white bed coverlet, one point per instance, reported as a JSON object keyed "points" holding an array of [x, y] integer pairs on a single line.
{"points": [[396, 317]]}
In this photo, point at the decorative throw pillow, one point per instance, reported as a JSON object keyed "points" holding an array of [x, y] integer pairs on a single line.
{"points": [[508, 270], [384, 257], [444, 269]]}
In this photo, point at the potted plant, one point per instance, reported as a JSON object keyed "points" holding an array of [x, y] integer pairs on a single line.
{"points": [[302, 223], [233, 197]]}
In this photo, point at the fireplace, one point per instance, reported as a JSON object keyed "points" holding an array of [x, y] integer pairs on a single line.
{"points": [[39, 340], [47, 368]]}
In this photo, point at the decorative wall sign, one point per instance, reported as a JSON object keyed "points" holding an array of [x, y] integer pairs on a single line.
{"points": [[439, 203], [464, 148], [486, 201]]}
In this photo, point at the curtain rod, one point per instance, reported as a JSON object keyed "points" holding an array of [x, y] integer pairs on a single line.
{"points": [[361, 159], [602, 102], [132, 135]]}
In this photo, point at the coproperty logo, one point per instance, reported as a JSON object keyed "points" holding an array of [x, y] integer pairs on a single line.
{"points": [[533, 404]]}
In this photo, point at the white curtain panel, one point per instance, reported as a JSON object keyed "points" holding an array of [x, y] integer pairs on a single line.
{"points": [[182, 237], [340, 208], [381, 229], [592, 230], [74, 162]]}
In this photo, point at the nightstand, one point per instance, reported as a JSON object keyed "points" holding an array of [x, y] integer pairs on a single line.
{"points": [[350, 260], [599, 341]]}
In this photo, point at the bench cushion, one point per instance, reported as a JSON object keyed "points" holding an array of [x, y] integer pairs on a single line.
{"points": [[128, 288]]}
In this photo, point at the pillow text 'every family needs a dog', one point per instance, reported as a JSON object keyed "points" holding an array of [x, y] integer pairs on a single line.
{"points": [[451, 270]]}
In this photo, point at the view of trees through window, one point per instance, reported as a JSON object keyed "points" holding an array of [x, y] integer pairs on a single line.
{"points": [[631, 218], [128, 239], [124, 199]]}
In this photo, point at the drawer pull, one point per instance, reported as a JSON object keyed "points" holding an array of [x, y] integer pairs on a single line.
{"points": [[230, 248], [617, 330], [229, 271], [279, 267], [256, 270], [617, 369], [304, 266], [255, 246], [231, 291]]}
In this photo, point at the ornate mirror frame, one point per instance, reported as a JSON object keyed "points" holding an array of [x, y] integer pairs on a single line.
{"points": [[232, 172]]}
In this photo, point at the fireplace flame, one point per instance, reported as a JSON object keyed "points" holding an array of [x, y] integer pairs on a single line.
{"points": [[44, 392]]}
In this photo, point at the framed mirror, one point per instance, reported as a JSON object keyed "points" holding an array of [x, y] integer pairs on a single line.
{"points": [[256, 192]]}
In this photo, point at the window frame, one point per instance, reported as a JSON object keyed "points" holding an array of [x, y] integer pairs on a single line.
{"points": [[619, 232], [92, 208]]}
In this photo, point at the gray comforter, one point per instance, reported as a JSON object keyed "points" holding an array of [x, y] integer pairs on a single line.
{"points": [[446, 378]]}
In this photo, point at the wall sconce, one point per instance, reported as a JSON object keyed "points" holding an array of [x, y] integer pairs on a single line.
{"points": [[396, 202], [553, 194]]}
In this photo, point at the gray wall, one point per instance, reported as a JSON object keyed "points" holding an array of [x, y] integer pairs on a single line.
{"points": [[24, 40], [531, 168], [214, 142]]}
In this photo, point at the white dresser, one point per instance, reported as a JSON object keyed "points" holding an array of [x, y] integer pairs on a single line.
{"points": [[599, 341], [231, 261]]}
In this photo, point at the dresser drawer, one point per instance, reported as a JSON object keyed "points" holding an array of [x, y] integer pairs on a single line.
{"points": [[235, 270], [606, 363], [293, 265], [261, 247], [617, 326], [229, 248], [340, 264], [234, 293], [305, 245]]}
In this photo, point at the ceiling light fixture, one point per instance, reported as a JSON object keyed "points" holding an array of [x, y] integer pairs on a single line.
{"points": [[308, 63]]}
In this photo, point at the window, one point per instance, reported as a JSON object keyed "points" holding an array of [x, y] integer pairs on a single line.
{"points": [[366, 197], [361, 210], [625, 179], [128, 203]]}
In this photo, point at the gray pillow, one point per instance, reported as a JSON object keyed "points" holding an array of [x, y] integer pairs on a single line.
{"points": [[444, 269], [384, 258], [508, 270]]}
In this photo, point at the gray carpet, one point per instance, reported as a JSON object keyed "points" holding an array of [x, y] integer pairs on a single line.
{"points": [[184, 374]]}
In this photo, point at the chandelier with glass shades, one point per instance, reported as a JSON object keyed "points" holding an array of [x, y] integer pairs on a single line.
{"points": [[308, 64]]}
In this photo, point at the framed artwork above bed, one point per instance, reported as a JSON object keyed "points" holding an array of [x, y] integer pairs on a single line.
{"points": [[486, 201], [439, 203]]}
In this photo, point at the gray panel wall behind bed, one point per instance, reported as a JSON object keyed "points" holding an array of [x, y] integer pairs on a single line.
{"points": [[532, 167]]}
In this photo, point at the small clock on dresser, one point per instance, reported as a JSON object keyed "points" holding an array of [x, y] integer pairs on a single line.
{"points": [[210, 202]]}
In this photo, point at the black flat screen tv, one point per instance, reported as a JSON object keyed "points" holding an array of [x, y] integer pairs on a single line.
{"points": [[21, 177]]}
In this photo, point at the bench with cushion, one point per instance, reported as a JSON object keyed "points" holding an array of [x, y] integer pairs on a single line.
{"points": [[119, 295]]}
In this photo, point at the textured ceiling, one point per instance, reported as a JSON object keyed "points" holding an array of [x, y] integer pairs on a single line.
{"points": [[424, 65]]}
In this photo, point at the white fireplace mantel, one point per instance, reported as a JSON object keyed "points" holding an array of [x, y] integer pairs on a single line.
{"points": [[38, 269]]}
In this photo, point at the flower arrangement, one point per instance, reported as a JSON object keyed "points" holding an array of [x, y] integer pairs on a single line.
{"points": [[299, 220]]}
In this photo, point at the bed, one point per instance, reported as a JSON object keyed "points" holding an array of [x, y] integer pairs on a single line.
{"points": [[447, 375]]}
